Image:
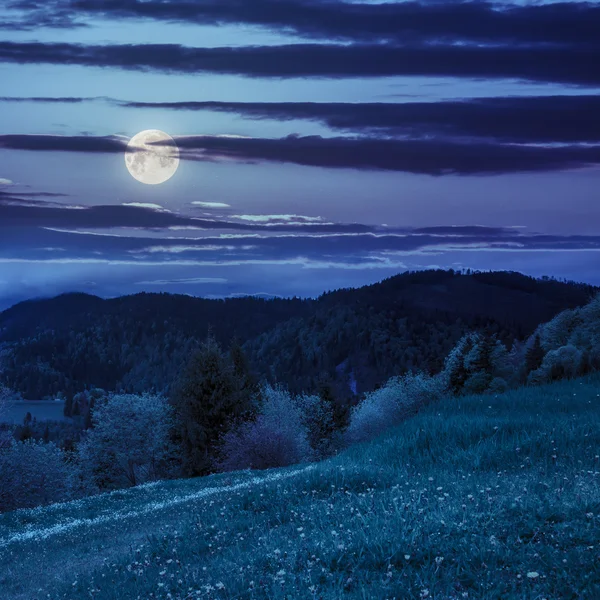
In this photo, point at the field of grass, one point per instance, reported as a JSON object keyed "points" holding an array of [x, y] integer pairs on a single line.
{"points": [[477, 497]]}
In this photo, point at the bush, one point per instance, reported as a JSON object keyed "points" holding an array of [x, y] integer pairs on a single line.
{"points": [[565, 362], [33, 473], [276, 438], [317, 416], [130, 441], [391, 404]]}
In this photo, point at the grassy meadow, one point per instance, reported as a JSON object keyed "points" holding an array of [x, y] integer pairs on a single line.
{"points": [[475, 497]]}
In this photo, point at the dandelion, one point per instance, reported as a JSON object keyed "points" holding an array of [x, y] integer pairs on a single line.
{"points": [[407, 557]]}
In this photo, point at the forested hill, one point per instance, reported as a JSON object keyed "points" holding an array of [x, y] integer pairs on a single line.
{"points": [[357, 338]]}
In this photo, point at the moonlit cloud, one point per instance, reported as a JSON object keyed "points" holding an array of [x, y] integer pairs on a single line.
{"points": [[210, 204]]}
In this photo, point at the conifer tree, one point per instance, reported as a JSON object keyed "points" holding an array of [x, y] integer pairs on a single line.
{"points": [[206, 405], [534, 355]]}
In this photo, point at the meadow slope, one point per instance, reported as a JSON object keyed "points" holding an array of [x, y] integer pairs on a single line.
{"points": [[476, 497]]}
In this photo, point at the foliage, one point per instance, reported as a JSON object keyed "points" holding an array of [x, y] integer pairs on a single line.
{"points": [[33, 473], [129, 443], [390, 405], [570, 343], [278, 437], [209, 399], [358, 338]]}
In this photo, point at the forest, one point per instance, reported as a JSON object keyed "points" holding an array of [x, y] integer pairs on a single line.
{"points": [[220, 414], [354, 338]]}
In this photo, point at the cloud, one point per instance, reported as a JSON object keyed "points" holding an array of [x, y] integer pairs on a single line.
{"points": [[398, 22], [16, 212], [539, 119], [79, 143], [359, 250], [46, 99], [188, 281], [210, 204], [572, 65], [432, 157], [512, 119], [5, 182]]}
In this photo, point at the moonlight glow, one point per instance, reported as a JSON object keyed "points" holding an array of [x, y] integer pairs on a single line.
{"points": [[152, 156]]}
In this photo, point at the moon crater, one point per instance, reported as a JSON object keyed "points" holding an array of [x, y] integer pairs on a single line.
{"points": [[152, 156]]}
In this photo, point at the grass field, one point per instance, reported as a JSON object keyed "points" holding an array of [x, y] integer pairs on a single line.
{"points": [[477, 497]]}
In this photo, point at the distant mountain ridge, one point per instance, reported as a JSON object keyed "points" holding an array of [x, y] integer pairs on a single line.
{"points": [[141, 342]]}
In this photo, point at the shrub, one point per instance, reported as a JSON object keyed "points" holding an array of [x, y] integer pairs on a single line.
{"points": [[33, 473], [564, 362], [276, 438], [130, 441], [391, 404], [317, 416]]}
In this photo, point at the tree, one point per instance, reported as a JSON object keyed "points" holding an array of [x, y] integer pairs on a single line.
{"points": [[455, 370], [33, 473], [278, 437], [246, 385], [130, 442], [207, 404], [388, 406], [534, 355]]}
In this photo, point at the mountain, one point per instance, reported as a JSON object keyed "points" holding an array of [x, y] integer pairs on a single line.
{"points": [[351, 339]]}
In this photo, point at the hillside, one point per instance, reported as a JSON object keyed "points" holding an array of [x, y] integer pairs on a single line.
{"points": [[476, 497], [361, 336]]}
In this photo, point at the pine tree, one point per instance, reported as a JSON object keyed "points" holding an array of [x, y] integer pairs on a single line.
{"points": [[247, 388], [534, 357], [339, 409], [206, 405]]}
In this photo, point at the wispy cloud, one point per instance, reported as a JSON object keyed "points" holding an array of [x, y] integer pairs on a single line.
{"points": [[425, 156], [397, 22], [573, 65]]}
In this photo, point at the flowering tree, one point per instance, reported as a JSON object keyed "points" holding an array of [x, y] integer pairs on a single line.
{"points": [[33, 473], [277, 437], [130, 441], [386, 407]]}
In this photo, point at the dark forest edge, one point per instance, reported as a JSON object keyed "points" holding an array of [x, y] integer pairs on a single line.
{"points": [[219, 415]]}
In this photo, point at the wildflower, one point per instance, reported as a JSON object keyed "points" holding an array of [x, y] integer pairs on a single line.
{"points": [[220, 585], [533, 574], [407, 557], [439, 560]]}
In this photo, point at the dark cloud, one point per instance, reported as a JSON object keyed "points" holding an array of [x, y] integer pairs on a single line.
{"points": [[399, 22], [539, 119], [45, 100], [432, 157], [573, 65], [515, 119], [79, 143]]}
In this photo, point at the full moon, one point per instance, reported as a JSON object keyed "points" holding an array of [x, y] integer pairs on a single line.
{"points": [[152, 156]]}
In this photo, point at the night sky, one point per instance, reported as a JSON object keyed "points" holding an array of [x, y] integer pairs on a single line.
{"points": [[323, 144]]}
